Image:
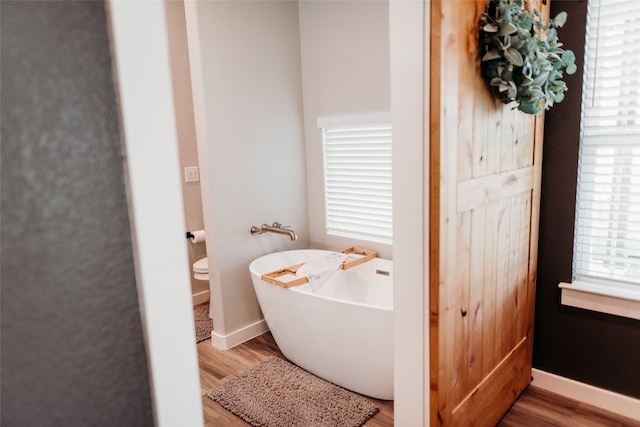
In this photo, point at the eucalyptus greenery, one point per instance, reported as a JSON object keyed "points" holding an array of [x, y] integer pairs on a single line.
{"points": [[522, 56]]}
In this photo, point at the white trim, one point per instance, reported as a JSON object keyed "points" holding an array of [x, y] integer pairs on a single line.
{"points": [[200, 297], [354, 119], [409, 68], [225, 342], [585, 393], [143, 76], [618, 300]]}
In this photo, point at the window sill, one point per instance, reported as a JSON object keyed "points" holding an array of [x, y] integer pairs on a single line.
{"points": [[617, 300]]}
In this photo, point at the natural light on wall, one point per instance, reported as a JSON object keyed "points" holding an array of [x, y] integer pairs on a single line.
{"points": [[357, 176], [606, 257]]}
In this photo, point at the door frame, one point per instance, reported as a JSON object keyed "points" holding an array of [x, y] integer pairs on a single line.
{"points": [[142, 74], [143, 80]]}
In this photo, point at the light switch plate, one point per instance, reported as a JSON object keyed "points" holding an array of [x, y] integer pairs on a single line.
{"points": [[191, 174]]}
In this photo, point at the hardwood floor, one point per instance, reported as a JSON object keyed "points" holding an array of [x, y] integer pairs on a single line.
{"points": [[540, 408], [535, 408], [217, 366]]}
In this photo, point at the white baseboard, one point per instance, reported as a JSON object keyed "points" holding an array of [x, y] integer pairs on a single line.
{"points": [[585, 393], [225, 342], [200, 297]]}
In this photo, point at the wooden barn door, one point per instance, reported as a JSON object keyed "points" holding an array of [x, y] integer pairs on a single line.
{"points": [[485, 184]]}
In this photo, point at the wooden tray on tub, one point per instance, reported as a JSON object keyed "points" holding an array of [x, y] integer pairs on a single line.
{"points": [[356, 256], [277, 277]]}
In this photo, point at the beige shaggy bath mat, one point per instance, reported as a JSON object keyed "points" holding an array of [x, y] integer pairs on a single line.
{"points": [[276, 393], [203, 323]]}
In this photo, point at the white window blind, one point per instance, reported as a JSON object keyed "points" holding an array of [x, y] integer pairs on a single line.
{"points": [[607, 228], [357, 180]]}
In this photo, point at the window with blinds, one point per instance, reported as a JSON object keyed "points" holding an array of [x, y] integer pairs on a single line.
{"points": [[607, 228], [357, 180]]}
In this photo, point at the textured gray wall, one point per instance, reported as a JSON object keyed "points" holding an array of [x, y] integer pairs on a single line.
{"points": [[72, 350]]}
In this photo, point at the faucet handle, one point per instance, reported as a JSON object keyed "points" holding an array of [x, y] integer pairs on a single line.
{"points": [[283, 226], [277, 224]]}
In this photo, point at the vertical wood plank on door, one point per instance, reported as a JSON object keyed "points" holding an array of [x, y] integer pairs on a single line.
{"points": [[494, 147], [518, 144], [464, 113], [476, 297], [447, 379], [502, 316], [538, 135], [525, 230], [480, 142], [437, 319], [466, 104], [460, 308], [489, 295], [506, 139], [512, 281], [525, 151]]}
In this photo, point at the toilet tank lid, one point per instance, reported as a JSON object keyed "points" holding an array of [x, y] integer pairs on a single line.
{"points": [[201, 266]]}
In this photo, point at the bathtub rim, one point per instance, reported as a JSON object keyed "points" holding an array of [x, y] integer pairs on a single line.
{"points": [[306, 287]]}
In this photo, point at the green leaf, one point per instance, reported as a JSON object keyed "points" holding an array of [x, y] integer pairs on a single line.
{"points": [[568, 57], [492, 54], [528, 107], [558, 97], [525, 20], [490, 28], [545, 65], [559, 85], [524, 34], [513, 56], [541, 78], [507, 28], [560, 19], [516, 42], [571, 68], [537, 13], [537, 93], [507, 74]]}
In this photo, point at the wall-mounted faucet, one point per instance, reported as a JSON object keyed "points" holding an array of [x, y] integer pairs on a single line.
{"points": [[276, 227]]}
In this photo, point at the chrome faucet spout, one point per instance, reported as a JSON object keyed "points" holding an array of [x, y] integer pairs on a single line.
{"points": [[276, 227]]}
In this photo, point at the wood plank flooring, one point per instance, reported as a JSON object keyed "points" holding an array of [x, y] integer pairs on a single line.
{"points": [[535, 407], [218, 366], [540, 408]]}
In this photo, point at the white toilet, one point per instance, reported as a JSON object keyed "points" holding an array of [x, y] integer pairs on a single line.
{"points": [[201, 269]]}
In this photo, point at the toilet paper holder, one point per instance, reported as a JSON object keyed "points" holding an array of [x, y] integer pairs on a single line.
{"points": [[197, 236]]}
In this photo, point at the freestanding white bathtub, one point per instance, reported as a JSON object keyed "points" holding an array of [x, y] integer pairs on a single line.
{"points": [[343, 331]]}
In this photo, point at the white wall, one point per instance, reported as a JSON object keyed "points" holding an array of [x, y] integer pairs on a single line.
{"points": [[245, 58], [186, 130], [345, 70]]}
